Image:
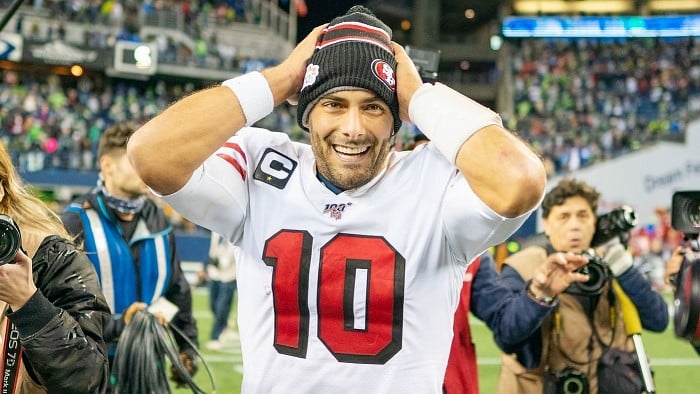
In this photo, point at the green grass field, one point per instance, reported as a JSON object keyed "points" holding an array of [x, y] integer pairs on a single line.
{"points": [[676, 365]]}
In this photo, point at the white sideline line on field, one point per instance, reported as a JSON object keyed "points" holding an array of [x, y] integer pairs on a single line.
{"points": [[656, 362]]}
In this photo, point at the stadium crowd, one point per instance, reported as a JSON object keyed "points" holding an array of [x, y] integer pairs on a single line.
{"points": [[577, 101], [582, 101]]}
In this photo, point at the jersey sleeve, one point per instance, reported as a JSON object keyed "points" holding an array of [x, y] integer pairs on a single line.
{"points": [[470, 225], [216, 196]]}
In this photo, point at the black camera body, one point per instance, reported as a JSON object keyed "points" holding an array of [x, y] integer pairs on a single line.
{"points": [[616, 223], [598, 275], [426, 61], [685, 217], [568, 381], [10, 239], [613, 224]]}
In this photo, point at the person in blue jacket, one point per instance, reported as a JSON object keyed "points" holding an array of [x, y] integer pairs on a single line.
{"points": [[131, 244]]}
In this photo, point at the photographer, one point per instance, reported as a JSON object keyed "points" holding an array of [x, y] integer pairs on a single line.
{"points": [[588, 322], [53, 312]]}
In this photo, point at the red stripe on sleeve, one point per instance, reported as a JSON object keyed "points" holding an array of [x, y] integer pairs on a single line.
{"points": [[238, 149], [236, 165]]}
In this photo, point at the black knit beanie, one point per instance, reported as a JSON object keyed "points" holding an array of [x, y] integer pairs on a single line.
{"points": [[354, 51]]}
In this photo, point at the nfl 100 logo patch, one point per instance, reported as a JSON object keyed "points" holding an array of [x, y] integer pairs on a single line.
{"points": [[335, 211]]}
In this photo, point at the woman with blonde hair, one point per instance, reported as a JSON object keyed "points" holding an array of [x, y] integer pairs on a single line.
{"points": [[52, 309]]}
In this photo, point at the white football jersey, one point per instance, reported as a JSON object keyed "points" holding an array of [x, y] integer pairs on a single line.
{"points": [[346, 293]]}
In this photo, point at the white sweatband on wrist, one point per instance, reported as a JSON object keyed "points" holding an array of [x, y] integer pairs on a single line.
{"points": [[254, 94], [448, 118]]}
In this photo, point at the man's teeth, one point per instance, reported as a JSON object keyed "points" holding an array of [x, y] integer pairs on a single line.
{"points": [[350, 151]]}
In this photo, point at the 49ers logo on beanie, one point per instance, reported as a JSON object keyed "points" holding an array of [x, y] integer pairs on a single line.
{"points": [[384, 72], [354, 51]]}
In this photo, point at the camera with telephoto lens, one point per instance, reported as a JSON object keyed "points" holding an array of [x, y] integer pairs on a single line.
{"points": [[568, 381], [613, 224], [616, 223], [685, 217], [10, 239]]}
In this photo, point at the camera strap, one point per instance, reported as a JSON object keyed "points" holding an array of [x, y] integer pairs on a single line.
{"points": [[12, 356], [590, 318]]}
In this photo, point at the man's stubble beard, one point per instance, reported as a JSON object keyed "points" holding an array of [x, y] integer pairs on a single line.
{"points": [[351, 176]]}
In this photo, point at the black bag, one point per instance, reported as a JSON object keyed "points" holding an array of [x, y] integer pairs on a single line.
{"points": [[619, 373]]}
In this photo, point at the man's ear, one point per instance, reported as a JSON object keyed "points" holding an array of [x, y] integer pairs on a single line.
{"points": [[545, 226], [106, 163]]}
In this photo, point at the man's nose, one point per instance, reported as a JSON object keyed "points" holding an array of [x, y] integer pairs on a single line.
{"points": [[575, 222], [351, 123]]}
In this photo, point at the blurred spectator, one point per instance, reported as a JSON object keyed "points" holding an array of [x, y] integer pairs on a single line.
{"points": [[219, 272]]}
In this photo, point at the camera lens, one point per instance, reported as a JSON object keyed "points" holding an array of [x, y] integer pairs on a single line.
{"points": [[694, 212], [573, 385], [10, 239], [597, 276], [612, 224]]}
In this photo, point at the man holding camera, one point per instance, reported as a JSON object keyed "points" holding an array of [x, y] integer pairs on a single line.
{"points": [[588, 321]]}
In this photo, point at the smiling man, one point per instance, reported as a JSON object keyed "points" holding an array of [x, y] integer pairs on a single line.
{"points": [[345, 286]]}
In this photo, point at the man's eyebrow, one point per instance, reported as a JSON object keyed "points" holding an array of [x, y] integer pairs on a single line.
{"points": [[336, 97]]}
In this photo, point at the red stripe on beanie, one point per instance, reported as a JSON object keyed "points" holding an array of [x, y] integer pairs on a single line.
{"points": [[369, 40], [355, 31], [358, 26]]}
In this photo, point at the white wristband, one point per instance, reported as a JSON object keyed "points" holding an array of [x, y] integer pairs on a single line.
{"points": [[448, 118], [254, 94]]}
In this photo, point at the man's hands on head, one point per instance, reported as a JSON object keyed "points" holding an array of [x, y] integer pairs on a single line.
{"points": [[408, 80], [557, 273], [287, 78], [17, 281]]}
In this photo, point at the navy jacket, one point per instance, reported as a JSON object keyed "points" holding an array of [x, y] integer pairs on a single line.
{"points": [[652, 309], [177, 290], [508, 311]]}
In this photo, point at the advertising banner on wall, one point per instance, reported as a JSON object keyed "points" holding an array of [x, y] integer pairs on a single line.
{"points": [[646, 180], [62, 53], [11, 47]]}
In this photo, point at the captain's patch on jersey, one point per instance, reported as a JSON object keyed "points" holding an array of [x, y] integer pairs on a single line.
{"points": [[274, 168]]}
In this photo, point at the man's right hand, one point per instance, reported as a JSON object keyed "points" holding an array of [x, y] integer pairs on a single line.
{"points": [[132, 309], [557, 273], [408, 80]]}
